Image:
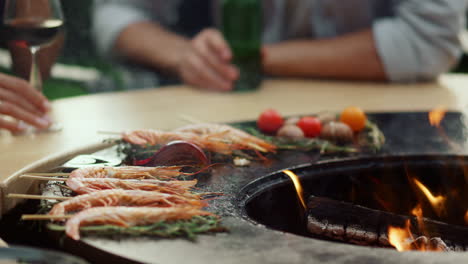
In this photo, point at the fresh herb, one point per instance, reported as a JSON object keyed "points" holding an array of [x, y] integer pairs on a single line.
{"points": [[371, 137], [180, 228]]}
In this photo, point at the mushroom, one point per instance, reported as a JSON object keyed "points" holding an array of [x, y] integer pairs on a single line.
{"points": [[326, 117], [337, 132], [290, 131], [292, 120]]}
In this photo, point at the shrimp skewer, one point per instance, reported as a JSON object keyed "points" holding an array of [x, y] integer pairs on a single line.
{"points": [[156, 137], [127, 216], [123, 198], [89, 185], [129, 172], [213, 137], [229, 133]]}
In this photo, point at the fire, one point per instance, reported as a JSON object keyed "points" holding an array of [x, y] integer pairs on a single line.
{"points": [[418, 212], [400, 237], [466, 217], [437, 202], [436, 115], [298, 186]]}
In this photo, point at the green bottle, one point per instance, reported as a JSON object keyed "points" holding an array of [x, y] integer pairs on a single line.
{"points": [[242, 28]]}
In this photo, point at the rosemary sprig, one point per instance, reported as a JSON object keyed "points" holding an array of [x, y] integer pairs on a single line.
{"points": [[372, 137], [182, 228]]}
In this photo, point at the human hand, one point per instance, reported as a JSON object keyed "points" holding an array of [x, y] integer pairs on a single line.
{"points": [[23, 103], [207, 62]]}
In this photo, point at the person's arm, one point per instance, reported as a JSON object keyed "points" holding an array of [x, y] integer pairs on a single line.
{"points": [[203, 61], [150, 44], [418, 43], [352, 56], [422, 40], [23, 103]]}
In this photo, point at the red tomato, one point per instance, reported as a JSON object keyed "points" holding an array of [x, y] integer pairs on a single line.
{"points": [[310, 125], [270, 121]]}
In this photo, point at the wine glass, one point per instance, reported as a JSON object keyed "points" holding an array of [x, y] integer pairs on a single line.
{"points": [[33, 24]]}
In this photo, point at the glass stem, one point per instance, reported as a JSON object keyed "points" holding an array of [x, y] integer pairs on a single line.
{"points": [[35, 76]]}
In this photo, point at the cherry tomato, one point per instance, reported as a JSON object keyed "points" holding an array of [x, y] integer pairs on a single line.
{"points": [[310, 125], [270, 121], [354, 117]]}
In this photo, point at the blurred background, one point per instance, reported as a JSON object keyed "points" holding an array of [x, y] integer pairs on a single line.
{"points": [[80, 70]]}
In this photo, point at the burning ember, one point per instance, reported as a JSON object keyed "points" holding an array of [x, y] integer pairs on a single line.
{"points": [[402, 238], [418, 212], [297, 185], [436, 116]]}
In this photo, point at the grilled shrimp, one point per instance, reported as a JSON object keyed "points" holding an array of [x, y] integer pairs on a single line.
{"points": [[156, 137], [228, 134], [123, 198], [129, 172], [89, 185], [127, 216], [213, 137]]}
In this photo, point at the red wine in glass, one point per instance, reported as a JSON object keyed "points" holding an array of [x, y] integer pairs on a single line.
{"points": [[32, 33]]}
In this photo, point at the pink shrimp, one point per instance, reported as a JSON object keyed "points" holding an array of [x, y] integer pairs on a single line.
{"points": [[127, 216], [213, 137], [228, 134], [129, 172], [123, 198], [89, 185], [155, 137]]}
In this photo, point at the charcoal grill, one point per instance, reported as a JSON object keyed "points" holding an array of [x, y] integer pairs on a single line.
{"points": [[261, 210], [362, 197]]}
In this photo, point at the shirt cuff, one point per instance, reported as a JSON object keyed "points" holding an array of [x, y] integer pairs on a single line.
{"points": [[395, 51], [109, 21]]}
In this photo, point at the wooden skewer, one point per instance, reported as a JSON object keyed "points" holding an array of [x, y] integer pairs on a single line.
{"points": [[43, 178], [45, 174], [103, 132], [44, 217], [65, 187], [189, 119], [40, 197]]}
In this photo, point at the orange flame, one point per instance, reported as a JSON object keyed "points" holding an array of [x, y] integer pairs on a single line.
{"points": [[437, 115], [403, 240], [437, 202], [298, 186], [466, 217], [418, 212], [400, 238]]}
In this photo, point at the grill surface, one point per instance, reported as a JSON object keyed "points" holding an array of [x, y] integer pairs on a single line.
{"points": [[407, 134]]}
